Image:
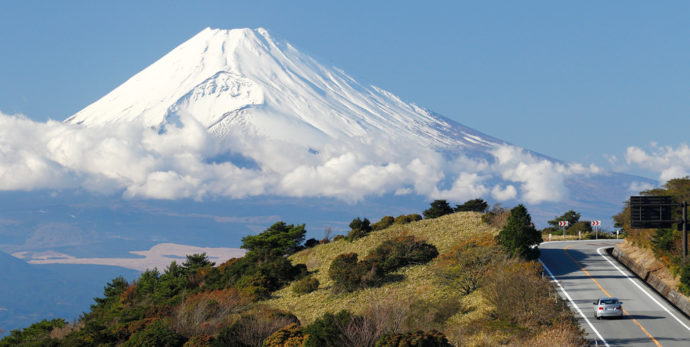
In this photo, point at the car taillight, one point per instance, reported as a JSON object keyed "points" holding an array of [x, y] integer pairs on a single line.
{"points": [[618, 308], [600, 308]]}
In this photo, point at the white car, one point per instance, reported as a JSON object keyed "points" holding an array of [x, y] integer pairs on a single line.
{"points": [[608, 307]]}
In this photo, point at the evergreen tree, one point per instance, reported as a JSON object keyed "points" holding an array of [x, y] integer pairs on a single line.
{"points": [[197, 261], [571, 217], [438, 208], [278, 240], [474, 205], [112, 292], [518, 236]]}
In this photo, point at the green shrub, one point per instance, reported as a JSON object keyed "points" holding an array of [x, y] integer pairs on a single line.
{"points": [[355, 234], [350, 274], [154, 335], [384, 223], [305, 285], [402, 219], [438, 208], [414, 217], [418, 338], [402, 251], [359, 228], [663, 240], [685, 279], [347, 272], [37, 333], [372, 274], [289, 336], [405, 219], [326, 331], [311, 243], [475, 205], [338, 238]]}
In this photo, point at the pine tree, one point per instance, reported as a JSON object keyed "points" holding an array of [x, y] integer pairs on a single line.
{"points": [[438, 208], [519, 235], [474, 205], [571, 217]]}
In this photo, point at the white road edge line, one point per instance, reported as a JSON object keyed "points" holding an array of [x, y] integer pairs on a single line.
{"points": [[642, 289], [573, 303]]}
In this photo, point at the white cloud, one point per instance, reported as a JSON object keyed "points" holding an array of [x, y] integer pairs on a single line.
{"points": [[467, 186], [667, 161], [503, 194], [637, 187], [140, 162], [541, 180]]}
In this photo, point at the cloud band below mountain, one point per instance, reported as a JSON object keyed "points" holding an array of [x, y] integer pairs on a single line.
{"points": [[177, 162]]}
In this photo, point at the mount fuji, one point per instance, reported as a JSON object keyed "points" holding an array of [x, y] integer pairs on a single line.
{"points": [[244, 82], [302, 129]]}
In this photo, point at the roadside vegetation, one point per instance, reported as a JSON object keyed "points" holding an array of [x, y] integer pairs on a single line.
{"points": [[452, 279], [665, 244], [576, 229]]}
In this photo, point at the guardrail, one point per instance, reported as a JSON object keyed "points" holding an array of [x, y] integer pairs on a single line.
{"points": [[673, 296]]}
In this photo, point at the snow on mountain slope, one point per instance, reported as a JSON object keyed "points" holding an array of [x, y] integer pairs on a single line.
{"points": [[244, 81]]}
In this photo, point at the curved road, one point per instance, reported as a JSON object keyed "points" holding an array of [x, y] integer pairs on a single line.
{"points": [[584, 272]]}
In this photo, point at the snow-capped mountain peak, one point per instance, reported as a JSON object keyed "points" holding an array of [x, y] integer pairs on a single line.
{"points": [[244, 81]]}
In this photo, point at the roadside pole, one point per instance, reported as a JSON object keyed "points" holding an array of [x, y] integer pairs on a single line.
{"points": [[596, 224], [563, 224]]}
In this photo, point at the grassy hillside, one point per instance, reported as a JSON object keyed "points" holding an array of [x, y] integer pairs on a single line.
{"points": [[416, 282], [421, 297], [466, 291]]}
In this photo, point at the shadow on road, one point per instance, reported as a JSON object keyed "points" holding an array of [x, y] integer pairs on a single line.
{"points": [[642, 316]]}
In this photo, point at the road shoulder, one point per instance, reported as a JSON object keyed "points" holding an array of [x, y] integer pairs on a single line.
{"points": [[649, 273]]}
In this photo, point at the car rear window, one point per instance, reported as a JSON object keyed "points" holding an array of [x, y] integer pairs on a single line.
{"points": [[609, 301]]}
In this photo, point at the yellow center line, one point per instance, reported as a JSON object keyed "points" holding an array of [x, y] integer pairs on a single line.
{"points": [[565, 249]]}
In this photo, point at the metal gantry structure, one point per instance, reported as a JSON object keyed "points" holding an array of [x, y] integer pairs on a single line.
{"points": [[656, 212]]}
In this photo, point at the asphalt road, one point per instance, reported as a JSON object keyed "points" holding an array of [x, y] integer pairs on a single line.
{"points": [[584, 272]]}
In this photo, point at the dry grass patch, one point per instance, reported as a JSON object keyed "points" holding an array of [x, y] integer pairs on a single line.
{"points": [[419, 281], [428, 298]]}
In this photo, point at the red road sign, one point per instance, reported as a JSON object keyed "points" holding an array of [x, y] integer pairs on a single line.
{"points": [[563, 223]]}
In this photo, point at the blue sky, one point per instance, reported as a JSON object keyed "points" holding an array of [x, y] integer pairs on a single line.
{"points": [[579, 82]]}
